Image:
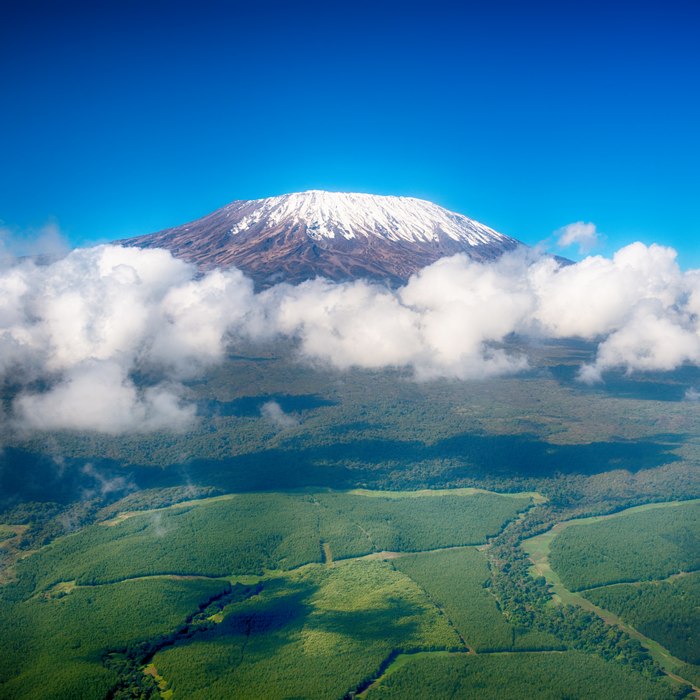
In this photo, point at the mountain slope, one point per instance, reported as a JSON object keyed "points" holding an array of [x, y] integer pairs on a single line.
{"points": [[331, 234]]}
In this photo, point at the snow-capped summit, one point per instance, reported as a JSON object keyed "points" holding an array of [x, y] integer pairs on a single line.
{"points": [[352, 215], [339, 235]]}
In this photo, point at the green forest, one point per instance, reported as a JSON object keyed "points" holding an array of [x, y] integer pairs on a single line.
{"points": [[667, 611], [645, 545], [373, 546], [547, 676]]}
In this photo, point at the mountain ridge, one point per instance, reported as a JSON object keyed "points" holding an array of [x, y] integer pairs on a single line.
{"points": [[338, 235]]}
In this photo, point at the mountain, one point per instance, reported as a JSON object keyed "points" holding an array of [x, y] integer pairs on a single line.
{"points": [[337, 235]]}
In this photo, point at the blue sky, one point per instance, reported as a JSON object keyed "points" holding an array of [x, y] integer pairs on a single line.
{"points": [[123, 118]]}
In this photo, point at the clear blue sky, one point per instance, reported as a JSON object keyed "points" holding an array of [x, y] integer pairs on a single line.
{"points": [[123, 118]]}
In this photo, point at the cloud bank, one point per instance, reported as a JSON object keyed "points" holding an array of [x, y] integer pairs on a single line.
{"points": [[82, 328], [106, 338]]}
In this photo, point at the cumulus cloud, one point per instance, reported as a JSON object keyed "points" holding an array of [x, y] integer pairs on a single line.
{"points": [[274, 413], [580, 233], [598, 295], [106, 338], [99, 396], [652, 339], [87, 324], [451, 319], [446, 322]]}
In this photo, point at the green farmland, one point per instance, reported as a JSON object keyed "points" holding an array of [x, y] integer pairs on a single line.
{"points": [[378, 543], [301, 598]]}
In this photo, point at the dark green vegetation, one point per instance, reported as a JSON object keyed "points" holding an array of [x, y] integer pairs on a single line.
{"points": [[667, 611], [662, 613], [458, 582], [124, 568], [545, 676], [53, 643], [251, 533], [645, 545], [542, 431], [288, 510]]}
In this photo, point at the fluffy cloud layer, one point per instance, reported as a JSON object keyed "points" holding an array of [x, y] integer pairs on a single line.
{"points": [[83, 326], [75, 334], [584, 235]]}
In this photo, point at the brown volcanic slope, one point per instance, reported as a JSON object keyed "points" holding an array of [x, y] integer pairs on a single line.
{"points": [[340, 236]]}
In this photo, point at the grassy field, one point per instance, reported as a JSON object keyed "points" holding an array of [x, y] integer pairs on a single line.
{"points": [[456, 581], [521, 676]]}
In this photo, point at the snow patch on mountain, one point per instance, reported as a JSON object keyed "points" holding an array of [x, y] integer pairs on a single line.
{"points": [[353, 215]]}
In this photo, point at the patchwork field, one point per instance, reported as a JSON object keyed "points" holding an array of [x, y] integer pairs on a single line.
{"points": [[667, 611], [383, 535], [219, 593], [53, 643], [457, 582], [315, 633], [251, 533]]}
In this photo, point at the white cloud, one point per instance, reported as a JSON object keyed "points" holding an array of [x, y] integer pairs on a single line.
{"points": [[598, 295], [692, 394], [450, 318], [354, 324], [652, 339], [274, 413], [86, 325], [97, 395], [443, 323], [580, 233]]}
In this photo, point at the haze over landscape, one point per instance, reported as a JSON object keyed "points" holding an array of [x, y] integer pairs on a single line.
{"points": [[349, 352]]}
